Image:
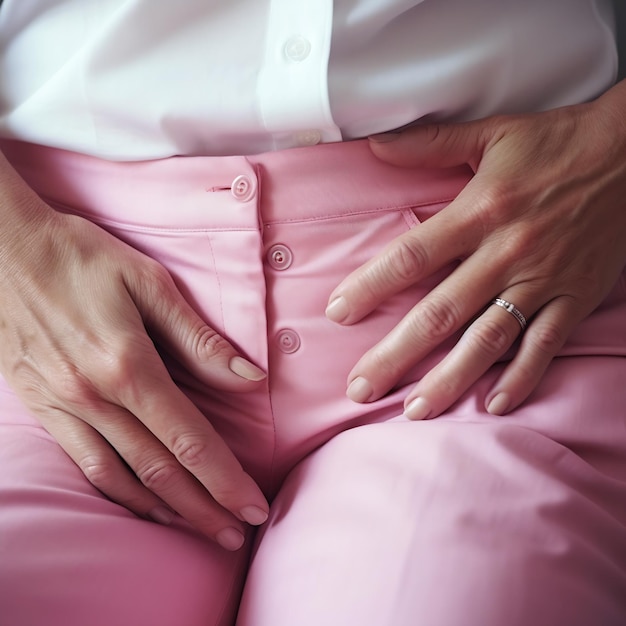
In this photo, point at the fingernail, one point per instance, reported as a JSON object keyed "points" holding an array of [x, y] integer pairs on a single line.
{"points": [[337, 310], [418, 409], [385, 137], [499, 404], [230, 539], [162, 515], [254, 515], [360, 390], [245, 369]]}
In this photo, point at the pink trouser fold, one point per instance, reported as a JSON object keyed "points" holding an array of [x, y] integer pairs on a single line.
{"points": [[467, 519]]}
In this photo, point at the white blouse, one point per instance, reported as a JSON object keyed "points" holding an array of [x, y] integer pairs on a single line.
{"points": [[137, 79]]}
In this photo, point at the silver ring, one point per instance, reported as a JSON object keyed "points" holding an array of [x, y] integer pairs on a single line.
{"points": [[513, 310]]}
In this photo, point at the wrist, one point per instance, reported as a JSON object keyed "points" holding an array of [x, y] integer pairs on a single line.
{"points": [[22, 211]]}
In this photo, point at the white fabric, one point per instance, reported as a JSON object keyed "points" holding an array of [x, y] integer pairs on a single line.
{"points": [[136, 79]]}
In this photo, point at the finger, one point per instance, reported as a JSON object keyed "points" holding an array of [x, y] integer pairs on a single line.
{"points": [[411, 257], [481, 345], [201, 349], [128, 373], [161, 473], [432, 320], [155, 468], [435, 145], [541, 342], [143, 387], [103, 467]]}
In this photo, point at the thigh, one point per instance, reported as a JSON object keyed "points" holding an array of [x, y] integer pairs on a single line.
{"points": [[69, 556], [466, 519]]}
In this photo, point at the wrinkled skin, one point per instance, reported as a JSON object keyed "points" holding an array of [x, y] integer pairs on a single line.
{"points": [[76, 303], [542, 224]]}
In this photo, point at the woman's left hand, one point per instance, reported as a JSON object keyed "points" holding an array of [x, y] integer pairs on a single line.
{"points": [[542, 225]]}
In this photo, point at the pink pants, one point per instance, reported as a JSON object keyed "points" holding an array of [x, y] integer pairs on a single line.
{"points": [[467, 519]]}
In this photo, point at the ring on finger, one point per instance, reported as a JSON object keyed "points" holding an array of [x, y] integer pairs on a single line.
{"points": [[513, 310]]}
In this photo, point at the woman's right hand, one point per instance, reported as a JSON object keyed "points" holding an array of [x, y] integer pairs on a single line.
{"points": [[75, 306]]}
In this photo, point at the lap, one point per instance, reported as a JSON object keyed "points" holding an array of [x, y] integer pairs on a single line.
{"points": [[69, 556], [466, 519]]}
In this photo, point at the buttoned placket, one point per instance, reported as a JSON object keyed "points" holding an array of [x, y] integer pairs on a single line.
{"points": [[279, 258], [292, 90]]}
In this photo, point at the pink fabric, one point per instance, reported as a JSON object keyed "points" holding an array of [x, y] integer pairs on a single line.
{"points": [[465, 519]]}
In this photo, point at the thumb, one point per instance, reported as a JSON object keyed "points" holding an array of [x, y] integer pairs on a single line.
{"points": [[175, 326], [434, 145]]}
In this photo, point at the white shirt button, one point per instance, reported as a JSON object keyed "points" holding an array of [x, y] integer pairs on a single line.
{"points": [[243, 188], [308, 137], [288, 341], [297, 48], [279, 257]]}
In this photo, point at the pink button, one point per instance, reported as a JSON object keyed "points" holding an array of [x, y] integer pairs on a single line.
{"points": [[279, 257], [288, 341], [243, 188]]}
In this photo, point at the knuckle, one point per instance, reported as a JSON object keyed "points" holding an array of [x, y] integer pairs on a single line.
{"points": [[495, 206], [155, 277], [99, 471], [547, 338], [159, 475], [489, 337], [153, 288], [406, 260], [209, 343], [190, 450], [72, 387], [438, 318], [519, 243], [113, 374], [489, 205], [120, 364]]}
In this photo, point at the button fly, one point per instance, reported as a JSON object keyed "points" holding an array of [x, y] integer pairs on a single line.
{"points": [[279, 257], [243, 188], [288, 341]]}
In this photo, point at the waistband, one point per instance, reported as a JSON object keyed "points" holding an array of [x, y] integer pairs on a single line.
{"points": [[297, 184]]}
